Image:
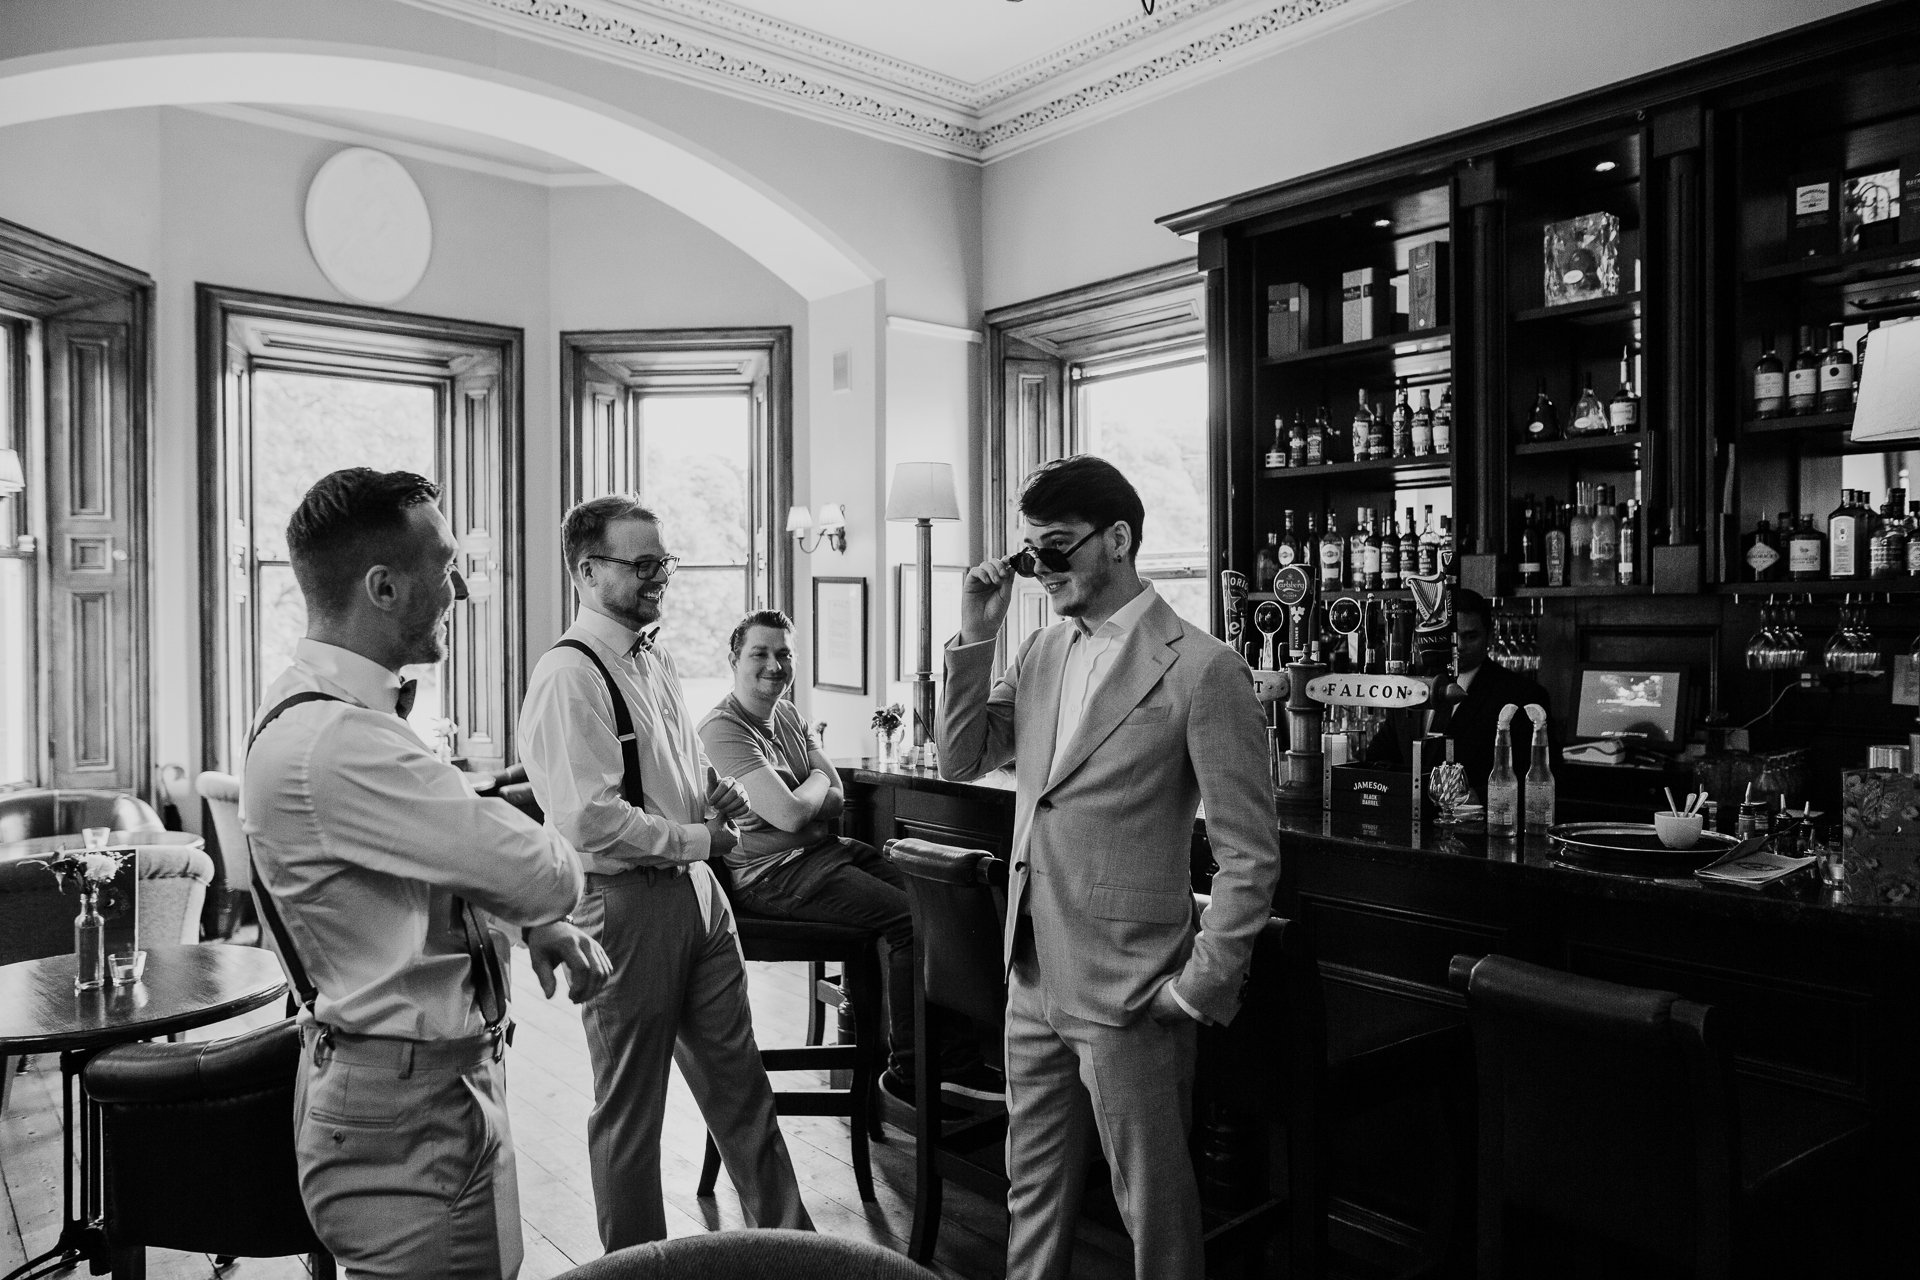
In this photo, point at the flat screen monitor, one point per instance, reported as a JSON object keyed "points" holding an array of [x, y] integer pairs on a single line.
{"points": [[1641, 704]]}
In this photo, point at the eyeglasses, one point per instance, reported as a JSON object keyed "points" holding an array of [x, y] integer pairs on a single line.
{"points": [[646, 567], [1028, 561]]}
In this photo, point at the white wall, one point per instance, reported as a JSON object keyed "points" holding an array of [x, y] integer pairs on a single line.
{"points": [[1082, 208]]}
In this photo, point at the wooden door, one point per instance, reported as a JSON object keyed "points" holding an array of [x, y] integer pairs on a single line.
{"points": [[480, 651], [1036, 433]]}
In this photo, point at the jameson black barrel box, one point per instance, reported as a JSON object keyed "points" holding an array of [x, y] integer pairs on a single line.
{"points": [[1881, 832]]}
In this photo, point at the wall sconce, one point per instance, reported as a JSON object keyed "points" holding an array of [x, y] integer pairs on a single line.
{"points": [[830, 528], [13, 476]]}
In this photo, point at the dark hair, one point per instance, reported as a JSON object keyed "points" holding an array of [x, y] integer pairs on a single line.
{"points": [[584, 529], [1087, 488], [350, 521], [1468, 601], [758, 618]]}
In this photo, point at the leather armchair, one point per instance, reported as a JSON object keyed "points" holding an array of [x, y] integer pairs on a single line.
{"points": [[28, 815], [198, 1146]]}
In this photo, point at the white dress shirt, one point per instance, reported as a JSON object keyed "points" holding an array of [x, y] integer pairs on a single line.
{"points": [[1089, 658], [364, 838], [572, 753]]}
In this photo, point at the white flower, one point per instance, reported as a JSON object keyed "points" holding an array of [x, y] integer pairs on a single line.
{"points": [[100, 866]]}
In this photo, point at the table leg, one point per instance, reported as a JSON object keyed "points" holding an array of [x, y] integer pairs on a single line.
{"points": [[82, 1238]]}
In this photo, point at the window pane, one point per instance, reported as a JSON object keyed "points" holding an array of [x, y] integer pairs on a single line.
{"points": [[283, 620], [305, 427], [702, 608], [698, 462], [17, 755]]}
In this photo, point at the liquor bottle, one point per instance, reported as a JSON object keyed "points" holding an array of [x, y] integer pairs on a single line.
{"points": [[1446, 563], [1887, 552], [1556, 543], [1628, 571], [1762, 554], [1803, 379], [1589, 415], [1297, 441], [1317, 439], [1373, 554], [1623, 411], [1806, 553], [1543, 423], [1266, 564], [1540, 788], [1836, 373], [1580, 538], [1410, 549], [1443, 422], [1843, 540], [1422, 430], [1357, 552], [1606, 539], [1769, 382], [1533, 569], [1333, 555], [1390, 554], [1503, 788], [1380, 435], [1277, 451], [1363, 428], [1289, 549], [1402, 444]]}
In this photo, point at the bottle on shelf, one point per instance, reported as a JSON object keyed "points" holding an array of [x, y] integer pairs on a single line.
{"points": [[1373, 553], [1580, 537], [1769, 382], [1761, 551], [1333, 555], [1803, 379], [1288, 551], [1422, 427], [1317, 439], [1623, 411], [1380, 435], [1446, 562], [1806, 552], [1443, 422], [1533, 569], [1363, 429], [1589, 415], [1540, 787], [1606, 539], [1556, 544], [1836, 373], [1844, 558], [1390, 553], [1409, 550], [1266, 564], [1543, 423], [1628, 571], [1503, 786], [1887, 552], [1277, 455], [1402, 443], [1357, 552]]}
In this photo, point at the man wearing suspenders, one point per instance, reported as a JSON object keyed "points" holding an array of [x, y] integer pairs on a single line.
{"points": [[379, 877], [616, 764]]}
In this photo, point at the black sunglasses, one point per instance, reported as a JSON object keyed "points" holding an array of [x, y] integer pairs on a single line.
{"points": [[1029, 561]]}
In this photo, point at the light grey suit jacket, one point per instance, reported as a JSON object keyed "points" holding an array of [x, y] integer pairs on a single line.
{"points": [[1101, 845]]}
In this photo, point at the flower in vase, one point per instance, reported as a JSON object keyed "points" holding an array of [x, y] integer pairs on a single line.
{"points": [[81, 871], [889, 719]]}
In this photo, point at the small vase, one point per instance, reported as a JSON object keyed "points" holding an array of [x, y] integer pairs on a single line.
{"points": [[89, 943]]}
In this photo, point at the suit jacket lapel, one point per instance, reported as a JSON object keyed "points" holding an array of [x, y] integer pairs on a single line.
{"points": [[1043, 678], [1143, 659]]}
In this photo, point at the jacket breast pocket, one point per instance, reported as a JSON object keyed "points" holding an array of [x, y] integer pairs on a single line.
{"points": [[1147, 906], [1153, 714]]}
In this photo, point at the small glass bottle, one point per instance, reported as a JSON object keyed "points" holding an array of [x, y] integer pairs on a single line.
{"points": [[1289, 549], [1769, 382], [1836, 373], [1803, 379], [1544, 423], [1333, 555], [1429, 547], [89, 943], [1589, 415], [1409, 550], [1503, 787], [1277, 451], [1357, 552], [1629, 543], [1623, 411], [1845, 558], [1402, 443], [1540, 788], [1443, 423], [1533, 570], [1606, 539], [1762, 554], [1317, 439], [1887, 551], [1363, 429], [1423, 425], [1390, 552], [1297, 441], [1806, 553]]}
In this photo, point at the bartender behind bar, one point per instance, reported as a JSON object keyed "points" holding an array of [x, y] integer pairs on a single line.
{"points": [[1472, 723]]}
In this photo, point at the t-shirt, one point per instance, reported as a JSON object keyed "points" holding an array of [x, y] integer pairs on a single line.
{"points": [[739, 744]]}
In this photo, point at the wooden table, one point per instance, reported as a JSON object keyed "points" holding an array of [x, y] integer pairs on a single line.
{"points": [[40, 1012]]}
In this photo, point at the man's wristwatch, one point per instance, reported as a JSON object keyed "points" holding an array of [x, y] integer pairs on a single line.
{"points": [[526, 931]]}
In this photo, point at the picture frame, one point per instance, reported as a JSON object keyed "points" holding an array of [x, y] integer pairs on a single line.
{"points": [[840, 635], [906, 614]]}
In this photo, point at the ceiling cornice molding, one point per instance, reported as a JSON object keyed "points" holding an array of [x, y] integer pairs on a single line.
{"points": [[723, 46]]}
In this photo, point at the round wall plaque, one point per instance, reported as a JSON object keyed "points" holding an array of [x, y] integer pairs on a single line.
{"points": [[368, 227]]}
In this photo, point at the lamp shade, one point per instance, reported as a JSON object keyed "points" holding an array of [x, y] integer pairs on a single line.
{"points": [[798, 521], [923, 491], [832, 515], [13, 477]]}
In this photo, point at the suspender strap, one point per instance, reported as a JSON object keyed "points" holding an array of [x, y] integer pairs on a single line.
{"points": [[630, 789]]}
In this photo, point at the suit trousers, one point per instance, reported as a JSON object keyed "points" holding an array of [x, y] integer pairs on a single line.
{"points": [[405, 1158], [1068, 1080], [678, 995]]}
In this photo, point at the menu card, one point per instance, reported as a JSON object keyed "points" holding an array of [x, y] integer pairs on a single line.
{"points": [[1755, 870]]}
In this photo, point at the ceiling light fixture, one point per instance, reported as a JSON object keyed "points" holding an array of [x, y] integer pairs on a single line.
{"points": [[1383, 222], [1605, 166]]}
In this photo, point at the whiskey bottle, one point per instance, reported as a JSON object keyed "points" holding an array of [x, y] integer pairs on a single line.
{"points": [[1410, 549], [1762, 554], [1533, 572], [1333, 555], [1363, 429], [1390, 553], [1628, 572], [1371, 551], [1429, 547], [1806, 552], [1422, 431], [1844, 560], [1402, 444], [1556, 544], [1803, 379], [1297, 441], [1543, 424], [1289, 549], [1836, 373], [1446, 562], [1443, 423], [1887, 552], [1357, 552], [1606, 539], [1769, 382], [1623, 411], [1589, 415], [1317, 438]]}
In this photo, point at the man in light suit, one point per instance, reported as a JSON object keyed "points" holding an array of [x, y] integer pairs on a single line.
{"points": [[1119, 721]]}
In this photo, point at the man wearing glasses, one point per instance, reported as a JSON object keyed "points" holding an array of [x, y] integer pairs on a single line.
{"points": [[615, 762], [1119, 721]]}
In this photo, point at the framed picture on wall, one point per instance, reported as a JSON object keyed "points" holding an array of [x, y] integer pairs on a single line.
{"points": [[840, 634], [906, 615]]}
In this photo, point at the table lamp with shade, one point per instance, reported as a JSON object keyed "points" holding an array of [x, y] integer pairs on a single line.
{"points": [[923, 492]]}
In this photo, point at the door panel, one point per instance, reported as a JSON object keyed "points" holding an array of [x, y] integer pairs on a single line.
{"points": [[1036, 434], [481, 636]]}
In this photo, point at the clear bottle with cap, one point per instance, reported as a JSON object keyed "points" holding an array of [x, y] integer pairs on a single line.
{"points": [[1540, 788], [1844, 551], [1503, 787], [1363, 429], [1606, 539], [1443, 422]]}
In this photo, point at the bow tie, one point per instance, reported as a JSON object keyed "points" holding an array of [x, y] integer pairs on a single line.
{"points": [[644, 644], [403, 705]]}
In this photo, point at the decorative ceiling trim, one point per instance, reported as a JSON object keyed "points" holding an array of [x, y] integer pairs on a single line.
{"points": [[723, 46]]}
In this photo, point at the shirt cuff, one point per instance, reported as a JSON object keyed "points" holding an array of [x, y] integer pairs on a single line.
{"points": [[1173, 989], [957, 645], [699, 842]]}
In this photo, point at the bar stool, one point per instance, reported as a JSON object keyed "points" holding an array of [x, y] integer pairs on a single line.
{"points": [[1610, 1118]]}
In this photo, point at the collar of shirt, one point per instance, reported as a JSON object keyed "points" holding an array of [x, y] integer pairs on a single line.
{"points": [[371, 684], [617, 636], [1124, 619]]}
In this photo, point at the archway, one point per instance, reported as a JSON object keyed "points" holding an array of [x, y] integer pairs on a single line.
{"points": [[814, 262]]}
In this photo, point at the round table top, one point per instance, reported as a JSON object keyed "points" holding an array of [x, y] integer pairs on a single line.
{"points": [[41, 846], [183, 987]]}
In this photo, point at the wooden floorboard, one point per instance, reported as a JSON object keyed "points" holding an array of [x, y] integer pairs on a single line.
{"points": [[550, 1092]]}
